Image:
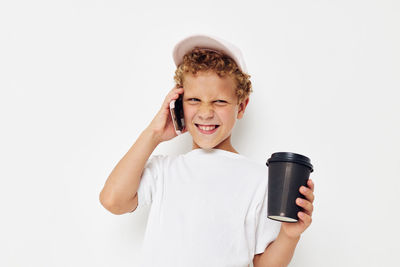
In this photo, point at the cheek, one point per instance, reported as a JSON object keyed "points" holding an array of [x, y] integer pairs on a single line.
{"points": [[188, 113], [227, 115]]}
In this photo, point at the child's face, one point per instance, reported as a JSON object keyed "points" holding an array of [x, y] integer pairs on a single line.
{"points": [[211, 100]]}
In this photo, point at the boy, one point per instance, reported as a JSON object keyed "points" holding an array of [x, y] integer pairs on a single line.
{"points": [[208, 206]]}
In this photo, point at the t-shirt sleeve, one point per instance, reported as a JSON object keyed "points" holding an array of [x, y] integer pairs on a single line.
{"points": [[266, 229], [150, 182]]}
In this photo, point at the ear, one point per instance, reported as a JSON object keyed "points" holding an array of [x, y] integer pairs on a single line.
{"points": [[242, 107]]}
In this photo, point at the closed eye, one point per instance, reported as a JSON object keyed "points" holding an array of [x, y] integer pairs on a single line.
{"points": [[217, 101]]}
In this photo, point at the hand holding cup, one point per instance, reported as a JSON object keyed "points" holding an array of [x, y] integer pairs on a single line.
{"points": [[290, 191], [294, 230]]}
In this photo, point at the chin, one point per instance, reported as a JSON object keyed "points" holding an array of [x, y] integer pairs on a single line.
{"points": [[205, 145]]}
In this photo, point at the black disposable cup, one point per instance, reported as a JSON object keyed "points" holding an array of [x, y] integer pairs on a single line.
{"points": [[287, 172]]}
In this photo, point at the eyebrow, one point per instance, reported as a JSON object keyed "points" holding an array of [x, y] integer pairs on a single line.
{"points": [[194, 95], [198, 97]]}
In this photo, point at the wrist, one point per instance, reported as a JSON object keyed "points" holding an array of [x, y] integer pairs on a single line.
{"points": [[152, 136], [288, 237]]}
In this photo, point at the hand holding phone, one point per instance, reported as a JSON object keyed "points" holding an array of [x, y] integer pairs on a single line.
{"points": [[162, 126]]}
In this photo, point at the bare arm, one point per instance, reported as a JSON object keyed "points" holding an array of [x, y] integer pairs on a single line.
{"points": [[279, 253], [119, 194]]}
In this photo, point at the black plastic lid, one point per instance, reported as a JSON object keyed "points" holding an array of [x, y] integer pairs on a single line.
{"points": [[290, 157]]}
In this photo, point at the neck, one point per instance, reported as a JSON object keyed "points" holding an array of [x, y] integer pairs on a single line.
{"points": [[224, 145]]}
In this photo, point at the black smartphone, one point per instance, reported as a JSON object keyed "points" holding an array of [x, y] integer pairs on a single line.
{"points": [[176, 108]]}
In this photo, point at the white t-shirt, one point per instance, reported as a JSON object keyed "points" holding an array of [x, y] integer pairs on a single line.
{"points": [[207, 208]]}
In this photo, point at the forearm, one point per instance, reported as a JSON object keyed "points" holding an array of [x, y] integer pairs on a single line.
{"points": [[124, 180], [280, 252]]}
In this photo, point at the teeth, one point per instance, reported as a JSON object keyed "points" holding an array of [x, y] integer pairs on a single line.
{"points": [[207, 128]]}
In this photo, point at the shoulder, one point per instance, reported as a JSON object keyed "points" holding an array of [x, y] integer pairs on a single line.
{"points": [[255, 172], [157, 161], [162, 160], [253, 165]]}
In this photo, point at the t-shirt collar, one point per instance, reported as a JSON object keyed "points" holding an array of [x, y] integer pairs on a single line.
{"points": [[215, 151]]}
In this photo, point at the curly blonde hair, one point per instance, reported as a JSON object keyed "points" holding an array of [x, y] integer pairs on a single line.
{"points": [[207, 60]]}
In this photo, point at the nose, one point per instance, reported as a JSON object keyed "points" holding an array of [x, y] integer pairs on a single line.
{"points": [[205, 112]]}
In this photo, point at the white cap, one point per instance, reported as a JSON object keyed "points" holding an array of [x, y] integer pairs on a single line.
{"points": [[209, 42]]}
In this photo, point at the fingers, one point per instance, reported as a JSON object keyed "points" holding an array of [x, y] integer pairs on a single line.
{"points": [[307, 220], [310, 184], [172, 95], [306, 205], [176, 90], [308, 193]]}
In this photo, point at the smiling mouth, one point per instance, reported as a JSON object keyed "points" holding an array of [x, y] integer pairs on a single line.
{"points": [[207, 126], [207, 129]]}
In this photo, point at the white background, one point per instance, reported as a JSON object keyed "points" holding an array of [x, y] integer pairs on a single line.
{"points": [[80, 80]]}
